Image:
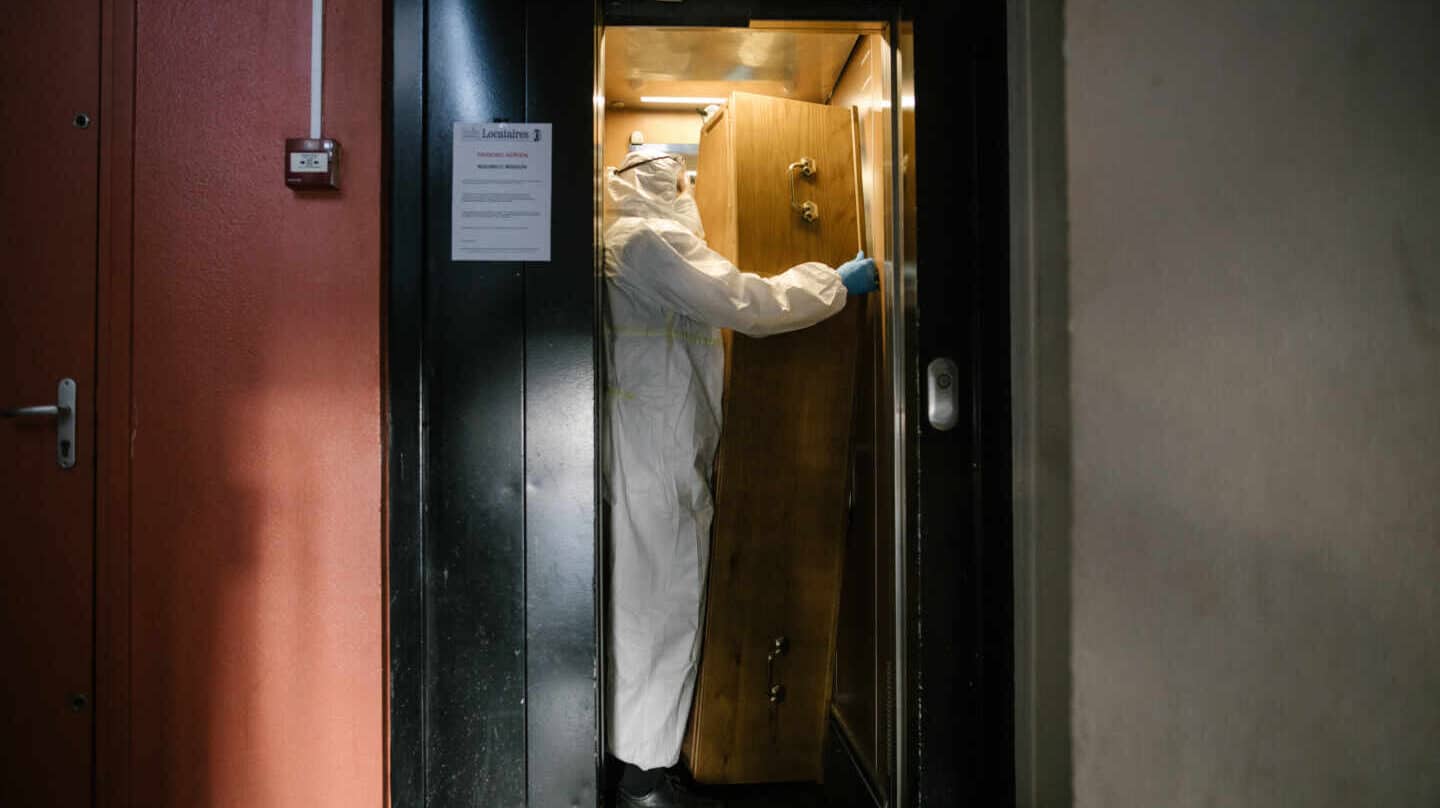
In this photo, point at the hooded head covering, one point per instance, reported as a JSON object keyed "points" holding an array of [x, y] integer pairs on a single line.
{"points": [[647, 186]]}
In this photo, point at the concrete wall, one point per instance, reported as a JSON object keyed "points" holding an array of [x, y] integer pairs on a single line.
{"points": [[1254, 295], [1040, 402]]}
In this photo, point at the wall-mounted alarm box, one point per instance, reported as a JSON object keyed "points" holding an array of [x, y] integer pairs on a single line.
{"points": [[312, 164]]}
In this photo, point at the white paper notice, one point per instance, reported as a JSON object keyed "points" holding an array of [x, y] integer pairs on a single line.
{"points": [[500, 203]]}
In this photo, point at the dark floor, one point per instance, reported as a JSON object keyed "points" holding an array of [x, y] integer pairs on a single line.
{"points": [[772, 795], [768, 795], [790, 795], [786, 795]]}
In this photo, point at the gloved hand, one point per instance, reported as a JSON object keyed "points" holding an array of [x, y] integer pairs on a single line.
{"points": [[859, 275]]}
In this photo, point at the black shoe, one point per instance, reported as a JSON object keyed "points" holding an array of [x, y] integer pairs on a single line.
{"points": [[669, 792]]}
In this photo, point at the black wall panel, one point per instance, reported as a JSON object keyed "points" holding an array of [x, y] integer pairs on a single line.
{"points": [[492, 414], [404, 400], [475, 454], [962, 654], [561, 319]]}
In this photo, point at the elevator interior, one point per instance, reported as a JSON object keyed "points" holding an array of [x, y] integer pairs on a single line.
{"points": [[657, 84]]}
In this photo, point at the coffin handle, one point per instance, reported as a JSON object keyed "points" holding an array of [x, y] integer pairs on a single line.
{"points": [[809, 211], [774, 689]]}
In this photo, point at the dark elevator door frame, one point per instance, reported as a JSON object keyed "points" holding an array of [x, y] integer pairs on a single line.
{"points": [[494, 630]]}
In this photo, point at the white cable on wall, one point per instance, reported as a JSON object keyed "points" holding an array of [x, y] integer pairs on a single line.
{"points": [[317, 62]]}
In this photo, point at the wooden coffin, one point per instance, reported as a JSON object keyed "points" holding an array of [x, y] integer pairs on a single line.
{"points": [[781, 482]]}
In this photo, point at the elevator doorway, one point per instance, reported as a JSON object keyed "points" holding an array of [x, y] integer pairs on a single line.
{"points": [[796, 681], [497, 587]]}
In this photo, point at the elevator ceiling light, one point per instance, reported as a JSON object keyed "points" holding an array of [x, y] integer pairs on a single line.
{"points": [[692, 100]]}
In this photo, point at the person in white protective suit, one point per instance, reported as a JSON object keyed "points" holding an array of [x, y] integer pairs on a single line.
{"points": [[668, 295]]}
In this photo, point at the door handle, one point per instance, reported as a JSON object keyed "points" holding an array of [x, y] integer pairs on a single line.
{"points": [[63, 411], [44, 409], [942, 382]]}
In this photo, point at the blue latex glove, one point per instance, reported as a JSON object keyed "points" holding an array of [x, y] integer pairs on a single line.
{"points": [[859, 275]]}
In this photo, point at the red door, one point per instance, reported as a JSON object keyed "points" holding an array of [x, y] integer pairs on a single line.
{"points": [[49, 97]]}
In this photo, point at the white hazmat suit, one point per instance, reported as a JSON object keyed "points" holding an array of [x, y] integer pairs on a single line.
{"points": [[668, 296]]}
